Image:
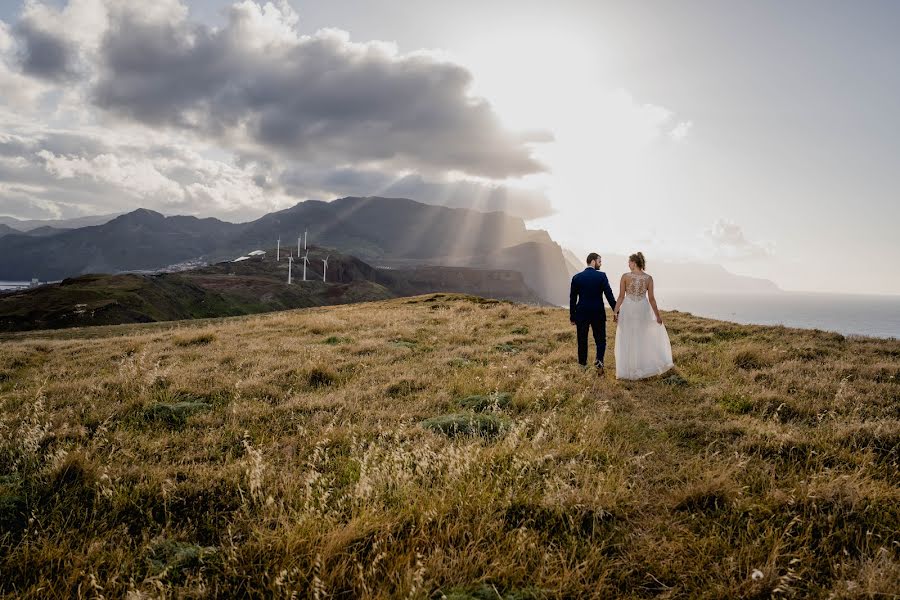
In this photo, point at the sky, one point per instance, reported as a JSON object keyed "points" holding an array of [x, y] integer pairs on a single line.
{"points": [[763, 136]]}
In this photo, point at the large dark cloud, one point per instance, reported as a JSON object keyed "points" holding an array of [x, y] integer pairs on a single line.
{"points": [[245, 119], [44, 54], [316, 98]]}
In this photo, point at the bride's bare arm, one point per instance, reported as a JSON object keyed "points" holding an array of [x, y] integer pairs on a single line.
{"points": [[620, 298], [652, 300]]}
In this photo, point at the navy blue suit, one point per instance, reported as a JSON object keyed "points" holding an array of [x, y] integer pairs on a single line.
{"points": [[586, 309]]}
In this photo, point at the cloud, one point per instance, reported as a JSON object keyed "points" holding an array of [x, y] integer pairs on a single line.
{"points": [[16, 90], [730, 243], [164, 112], [53, 173], [681, 130], [259, 85], [44, 54]]}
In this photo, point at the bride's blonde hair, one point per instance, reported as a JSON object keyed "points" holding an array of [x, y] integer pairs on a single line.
{"points": [[638, 259]]}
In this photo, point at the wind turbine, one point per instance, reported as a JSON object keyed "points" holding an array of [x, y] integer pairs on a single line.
{"points": [[278, 250], [290, 262], [305, 262], [325, 266]]}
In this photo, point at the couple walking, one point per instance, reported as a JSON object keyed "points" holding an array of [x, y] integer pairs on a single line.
{"points": [[642, 347]]}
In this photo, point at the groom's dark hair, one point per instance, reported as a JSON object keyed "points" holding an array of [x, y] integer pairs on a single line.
{"points": [[592, 256]]}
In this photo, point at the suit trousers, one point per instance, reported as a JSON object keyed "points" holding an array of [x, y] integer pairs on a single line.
{"points": [[598, 327]]}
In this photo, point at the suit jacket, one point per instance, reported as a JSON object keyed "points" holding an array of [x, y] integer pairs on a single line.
{"points": [[586, 295]]}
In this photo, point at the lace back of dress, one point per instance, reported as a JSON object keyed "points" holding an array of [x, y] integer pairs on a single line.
{"points": [[636, 285]]}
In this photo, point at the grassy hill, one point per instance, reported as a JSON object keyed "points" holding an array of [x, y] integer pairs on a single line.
{"points": [[444, 445], [230, 289]]}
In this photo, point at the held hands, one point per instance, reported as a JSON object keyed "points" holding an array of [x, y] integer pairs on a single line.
{"points": [[616, 316]]}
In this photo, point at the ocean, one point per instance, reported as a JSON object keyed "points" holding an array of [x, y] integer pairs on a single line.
{"points": [[13, 285], [849, 314]]}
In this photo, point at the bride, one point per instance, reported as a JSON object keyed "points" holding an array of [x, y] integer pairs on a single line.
{"points": [[642, 344]]}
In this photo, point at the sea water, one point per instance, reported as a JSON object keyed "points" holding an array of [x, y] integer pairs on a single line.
{"points": [[849, 314]]}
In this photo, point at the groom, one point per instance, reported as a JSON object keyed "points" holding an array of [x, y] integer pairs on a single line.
{"points": [[586, 308]]}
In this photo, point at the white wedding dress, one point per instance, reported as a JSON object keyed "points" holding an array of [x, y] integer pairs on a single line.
{"points": [[642, 344]]}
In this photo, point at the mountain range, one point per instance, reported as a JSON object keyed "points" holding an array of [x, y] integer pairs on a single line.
{"points": [[384, 232], [377, 230]]}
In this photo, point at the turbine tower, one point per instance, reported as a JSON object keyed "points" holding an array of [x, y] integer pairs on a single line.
{"points": [[325, 266], [290, 262], [298, 246], [305, 262], [278, 250], [305, 231]]}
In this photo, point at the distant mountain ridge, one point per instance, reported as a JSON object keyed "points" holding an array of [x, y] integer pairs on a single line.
{"points": [[391, 232], [372, 228], [72, 223]]}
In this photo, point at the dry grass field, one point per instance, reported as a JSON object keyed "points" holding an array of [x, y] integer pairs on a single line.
{"points": [[444, 446]]}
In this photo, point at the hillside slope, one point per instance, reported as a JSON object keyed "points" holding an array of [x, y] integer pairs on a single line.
{"points": [[445, 445], [229, 289]]}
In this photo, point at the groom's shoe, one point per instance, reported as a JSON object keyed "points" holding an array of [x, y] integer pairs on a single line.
{"points": [[598, 364]]}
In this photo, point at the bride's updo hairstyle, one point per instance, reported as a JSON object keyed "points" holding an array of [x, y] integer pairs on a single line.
{"points": [[638, 259]]}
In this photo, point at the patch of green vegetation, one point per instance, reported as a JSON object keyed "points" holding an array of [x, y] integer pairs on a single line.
{"points": [[319, 377], [558, 521], [403, 343], [196, 340], [730, 332], [334, 340], [172, 414], [487, 591], [480, 424], [703, 500], [736, 403], [404, 388], [523, 330], [482, 402], [508, 348], [676, 380], [173, 560], [751, 358]]}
